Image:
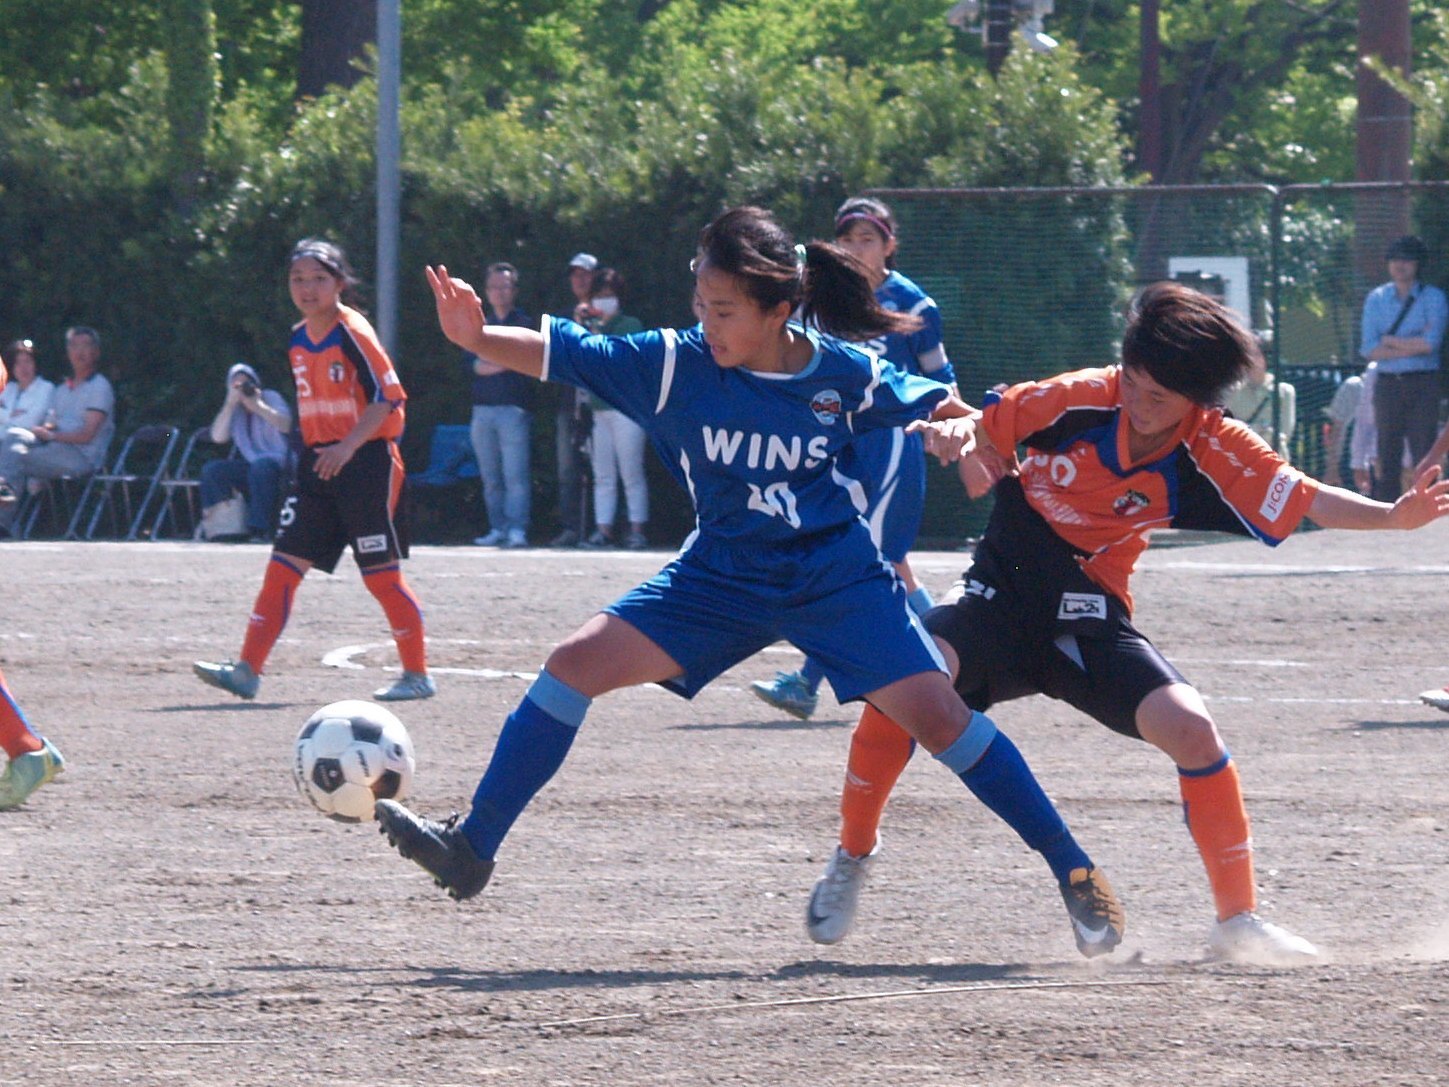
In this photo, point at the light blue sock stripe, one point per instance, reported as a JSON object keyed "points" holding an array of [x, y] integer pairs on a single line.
{"points": [[557, 699], [1207, 771], [920, 600], [966, 752]]}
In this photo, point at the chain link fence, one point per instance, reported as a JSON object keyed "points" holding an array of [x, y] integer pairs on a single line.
{"points": [[1033, 282]]}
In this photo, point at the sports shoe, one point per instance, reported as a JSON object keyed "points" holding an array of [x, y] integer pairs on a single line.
{"points": [[234, 676], [636, 542], [789, 692], [1438, 698], [1097, 918], [1247, 938], [597, 541], [516, 538], [26, 773], [439, 848], [409, 686], [496, 538], [567, 538], [830, 915]]}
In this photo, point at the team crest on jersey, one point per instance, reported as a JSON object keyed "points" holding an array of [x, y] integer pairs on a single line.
{"points": [[335, 373], [1130, 503], [826, 405]]}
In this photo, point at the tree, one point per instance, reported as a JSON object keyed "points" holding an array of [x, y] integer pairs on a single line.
{"points": [[335, 35]]}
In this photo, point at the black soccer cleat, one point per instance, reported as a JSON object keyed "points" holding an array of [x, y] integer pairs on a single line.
{"points": [[439, 848]]}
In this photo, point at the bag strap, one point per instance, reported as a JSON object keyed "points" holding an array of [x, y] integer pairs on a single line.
{"points": [[1403, 312]]}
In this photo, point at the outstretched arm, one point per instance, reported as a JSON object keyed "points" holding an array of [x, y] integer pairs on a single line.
{"points": [[1427, 500], [460, 314]]}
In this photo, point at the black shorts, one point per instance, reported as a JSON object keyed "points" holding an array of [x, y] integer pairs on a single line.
{"points": [[361, 506], [1029, 621]]}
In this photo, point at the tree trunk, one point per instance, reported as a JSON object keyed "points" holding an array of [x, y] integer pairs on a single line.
{"points": [[335, 33]]}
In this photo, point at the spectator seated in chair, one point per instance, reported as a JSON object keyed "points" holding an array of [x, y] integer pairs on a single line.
{"points": [[257, 420]]}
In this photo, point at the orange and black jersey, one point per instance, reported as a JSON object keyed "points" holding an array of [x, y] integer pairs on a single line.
{"points": [[1076, 472], [340, 376]]}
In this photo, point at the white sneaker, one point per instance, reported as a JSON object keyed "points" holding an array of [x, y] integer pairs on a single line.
{"points": [[831, 913], [1438, 698], [496, 538], [1247, 938], [516, 538]]}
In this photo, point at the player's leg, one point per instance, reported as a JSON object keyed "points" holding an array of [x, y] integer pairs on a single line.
{"points": [[33, 760], [1174, 719]]}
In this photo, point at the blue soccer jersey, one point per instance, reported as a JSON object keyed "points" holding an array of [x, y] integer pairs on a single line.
{"points": [[756, 451], [892, 464]]}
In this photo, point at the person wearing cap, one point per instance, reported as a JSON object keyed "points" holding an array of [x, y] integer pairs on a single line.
{"points": [[76, 435], [572, 422], [1403, 330], [258, 421]]}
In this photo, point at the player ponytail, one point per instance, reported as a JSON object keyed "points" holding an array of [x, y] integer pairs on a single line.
{"points": [[825, 282], [1188, 342]]}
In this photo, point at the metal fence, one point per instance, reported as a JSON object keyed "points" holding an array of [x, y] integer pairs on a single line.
{"points": [[1033, 282]]}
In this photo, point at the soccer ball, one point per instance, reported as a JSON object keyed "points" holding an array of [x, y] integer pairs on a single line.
{"points": [[348, 756]]}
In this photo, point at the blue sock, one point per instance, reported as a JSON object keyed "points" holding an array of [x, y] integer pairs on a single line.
{"points": [[994, 770], [920, 600], [813, 674], [530, 749]]}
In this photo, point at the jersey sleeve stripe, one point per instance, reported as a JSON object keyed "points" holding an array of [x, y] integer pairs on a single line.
{"points": [[666, 381], [921, 306], [545, 329]]}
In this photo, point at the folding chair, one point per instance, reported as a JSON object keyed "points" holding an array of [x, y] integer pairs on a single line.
{"points": [[184, 483], [141, 463], [50, 499], [450, 462]]}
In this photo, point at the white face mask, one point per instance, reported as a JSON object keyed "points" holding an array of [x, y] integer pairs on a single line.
{"points": [[607, 306]]}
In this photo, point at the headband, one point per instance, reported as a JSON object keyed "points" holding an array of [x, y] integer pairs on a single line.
{"points": [[321, 256], [874, 220]]}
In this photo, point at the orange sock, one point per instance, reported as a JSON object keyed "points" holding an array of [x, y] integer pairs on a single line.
{"points": [[270, 612], [1212, 804], [879, 751], [15, 735], [403, 615]]}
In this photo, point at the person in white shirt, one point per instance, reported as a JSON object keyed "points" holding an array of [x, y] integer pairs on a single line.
{"points": [[27, 398]]}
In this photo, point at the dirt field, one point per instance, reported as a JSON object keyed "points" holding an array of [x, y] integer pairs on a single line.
{"points": [[175, 914]]}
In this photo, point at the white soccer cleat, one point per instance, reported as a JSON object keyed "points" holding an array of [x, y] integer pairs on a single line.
{"points": [[1246, 938], [1438, 698], [831, 913]]}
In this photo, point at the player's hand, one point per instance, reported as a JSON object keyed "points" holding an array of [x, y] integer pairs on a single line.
{"points": [[460, 310], [947, 439], [332, 458], [1424, 465], [1427, 500], [983, 469]]}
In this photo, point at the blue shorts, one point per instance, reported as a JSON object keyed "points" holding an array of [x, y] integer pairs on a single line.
{"points": [[831, 595], [891, 466]]}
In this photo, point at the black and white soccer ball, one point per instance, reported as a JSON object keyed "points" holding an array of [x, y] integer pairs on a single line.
{"points": [[351, 754]]}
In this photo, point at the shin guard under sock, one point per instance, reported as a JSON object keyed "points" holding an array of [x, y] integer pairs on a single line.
{"points": [[270, 612], [879, 751], [404, 616], [1212, 805]]}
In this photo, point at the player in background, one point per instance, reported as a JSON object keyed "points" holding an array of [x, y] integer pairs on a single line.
{"points": [[891, 464], [1044, 608], [349, 481], [749, 409], [33, 760]]}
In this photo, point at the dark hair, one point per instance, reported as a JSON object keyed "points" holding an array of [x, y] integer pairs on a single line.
{"points": [[501, 267], [14, 348], [1409, 247], [869, 210], [1187, 342], [825, 281], [608, 281], [327, 254]]}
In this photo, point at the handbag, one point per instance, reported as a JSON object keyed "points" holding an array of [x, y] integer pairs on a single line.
{"points": [[227, 519]]}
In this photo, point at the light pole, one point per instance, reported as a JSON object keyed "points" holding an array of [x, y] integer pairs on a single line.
{"points": [[389, 167]]}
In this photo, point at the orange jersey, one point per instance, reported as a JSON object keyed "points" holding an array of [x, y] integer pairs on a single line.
{"points": [[1213, 473], [338, 378]]}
